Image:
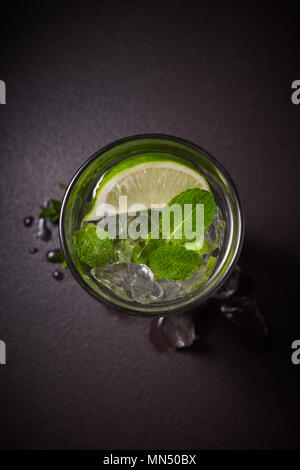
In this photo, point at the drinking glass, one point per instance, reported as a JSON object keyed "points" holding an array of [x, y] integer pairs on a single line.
{"points": [[79, 193]]}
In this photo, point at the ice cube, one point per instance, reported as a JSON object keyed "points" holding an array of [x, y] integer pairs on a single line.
{"points": [[179, 330], [115, 277], [215, 233], [124, 249], [143, 287], [171, 288], [129, 280], [193, 282], [237, 301], [244, 311]]}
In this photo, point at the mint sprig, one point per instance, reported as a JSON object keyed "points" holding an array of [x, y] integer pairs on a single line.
{"points": [[92, 250], [163, 255], [172, 257], [174, 262], [142, 251], [58, 258], [52, 212], [192, 197]]}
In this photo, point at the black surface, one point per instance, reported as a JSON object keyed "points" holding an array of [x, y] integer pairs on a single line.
{"points": [[80, 75]]}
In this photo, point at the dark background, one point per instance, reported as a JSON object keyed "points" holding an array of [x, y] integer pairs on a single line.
{"points": [[80, 75]]}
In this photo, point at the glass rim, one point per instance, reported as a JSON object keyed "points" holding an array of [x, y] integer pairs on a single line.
{"points": [[182, 303]]}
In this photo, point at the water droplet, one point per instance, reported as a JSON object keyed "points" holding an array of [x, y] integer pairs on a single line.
{"points": [[28, 221], [33, 250], [44, 233], [58, 275]]}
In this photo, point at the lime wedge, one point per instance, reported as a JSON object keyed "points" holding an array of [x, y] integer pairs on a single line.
{"points": [[149, 178]]}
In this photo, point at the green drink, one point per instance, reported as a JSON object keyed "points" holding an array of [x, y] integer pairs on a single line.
{"points": [[146, 223]]}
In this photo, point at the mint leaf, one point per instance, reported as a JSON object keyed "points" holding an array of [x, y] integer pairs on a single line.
{"points": [[138, 254], [56, 205], [47, 213], [193, 197], [210, 266], [64, 264], [142, 251], [174, 262], [56, 258], [91, 249], [201, 248], [52, 213], [63, 186]]}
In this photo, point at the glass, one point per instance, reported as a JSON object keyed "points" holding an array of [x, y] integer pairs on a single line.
{"points": [[79, 192]]}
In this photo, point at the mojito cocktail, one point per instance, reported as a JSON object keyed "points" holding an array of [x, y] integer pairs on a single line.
{"points": [[148, 223]]}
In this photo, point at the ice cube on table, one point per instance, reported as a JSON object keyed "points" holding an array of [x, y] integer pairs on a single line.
{"points": [[244, 311], [179, 329], [238, 303]]}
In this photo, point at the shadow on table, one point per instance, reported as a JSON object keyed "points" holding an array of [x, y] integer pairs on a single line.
{"points": [[270, 276]]}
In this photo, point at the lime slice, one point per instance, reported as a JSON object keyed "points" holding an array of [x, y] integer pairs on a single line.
{"points": [[147, 179]]}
